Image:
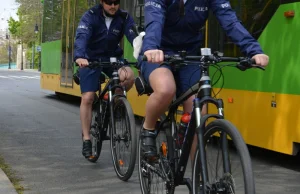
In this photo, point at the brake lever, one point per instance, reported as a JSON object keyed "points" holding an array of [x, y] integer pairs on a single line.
{"points": [[259, 67], [247, 64], [242, 67]]}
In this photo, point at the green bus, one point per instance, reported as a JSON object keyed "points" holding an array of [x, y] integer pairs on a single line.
{"points": [[261, 104]]}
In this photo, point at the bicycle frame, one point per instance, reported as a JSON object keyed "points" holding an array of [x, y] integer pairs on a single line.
{"points": [[196, 125], [177, 157], [110, 87]]}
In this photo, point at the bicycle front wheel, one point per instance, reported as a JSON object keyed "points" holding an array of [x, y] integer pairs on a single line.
{"points": [[123, 138], [228, 161]]}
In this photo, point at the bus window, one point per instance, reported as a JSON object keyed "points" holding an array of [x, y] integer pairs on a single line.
{"points": [[52, 20], [253, 14], [136, 9], [139, 14]]}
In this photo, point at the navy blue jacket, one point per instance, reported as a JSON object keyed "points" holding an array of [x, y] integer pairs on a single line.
{"points": [[93, 39], [167, 30]]}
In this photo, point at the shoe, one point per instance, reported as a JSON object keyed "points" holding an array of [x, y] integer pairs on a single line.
{"points": [[149, 144], [87, 148]]}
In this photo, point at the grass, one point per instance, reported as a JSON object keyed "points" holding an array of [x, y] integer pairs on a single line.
{"points": [[12, 176]]}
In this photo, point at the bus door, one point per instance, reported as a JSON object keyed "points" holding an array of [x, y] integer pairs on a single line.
{"points": [[66, 69], [72, 12]]}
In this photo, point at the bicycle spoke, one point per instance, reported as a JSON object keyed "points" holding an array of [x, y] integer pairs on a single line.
{"points": [[122, 143], [239, 178]]}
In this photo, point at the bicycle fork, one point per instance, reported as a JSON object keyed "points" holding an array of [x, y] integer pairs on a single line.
{"points": [[196, 117], [200, 126]]}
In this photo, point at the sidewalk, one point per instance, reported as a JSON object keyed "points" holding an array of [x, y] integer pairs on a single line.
{"points": [[28, 70], [6, 187]]}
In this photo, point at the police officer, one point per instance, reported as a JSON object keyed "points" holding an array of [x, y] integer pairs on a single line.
{"points": [[98, 35], [172, 26]]}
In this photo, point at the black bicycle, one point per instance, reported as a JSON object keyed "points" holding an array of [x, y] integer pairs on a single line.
{"points": [[222, 164], [112, 112]]}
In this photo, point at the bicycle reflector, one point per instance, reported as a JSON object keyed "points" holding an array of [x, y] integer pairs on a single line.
{"points": [[164, 149], [91, 157], [121, 162]]}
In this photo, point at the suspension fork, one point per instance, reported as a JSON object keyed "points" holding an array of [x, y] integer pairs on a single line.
{"points": [[111, 93], [196, 117], [224, 141]]}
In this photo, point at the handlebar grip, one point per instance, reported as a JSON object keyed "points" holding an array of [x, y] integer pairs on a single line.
{"points": [[253, 63], [166, 58]]}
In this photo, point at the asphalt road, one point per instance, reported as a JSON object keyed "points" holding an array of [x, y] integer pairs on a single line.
{"points": [[40, 138]]}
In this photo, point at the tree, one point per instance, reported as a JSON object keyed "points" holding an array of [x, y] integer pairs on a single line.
{"points": [[30, 14], [4, 51], [13, 26]]}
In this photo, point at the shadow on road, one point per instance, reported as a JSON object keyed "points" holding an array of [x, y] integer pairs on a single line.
{"points": [[68, 99], [275, 158]]}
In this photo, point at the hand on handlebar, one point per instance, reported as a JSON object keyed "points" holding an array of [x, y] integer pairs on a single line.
{"points": [[82, 62], [154, 56], [261, 60]]}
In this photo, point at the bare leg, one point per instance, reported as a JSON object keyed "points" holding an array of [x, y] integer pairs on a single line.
{"points": [[164, 88], [86, 113]]}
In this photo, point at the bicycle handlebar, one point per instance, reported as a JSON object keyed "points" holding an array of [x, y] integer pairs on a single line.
{"points": [[94, 64], [243, 63]]}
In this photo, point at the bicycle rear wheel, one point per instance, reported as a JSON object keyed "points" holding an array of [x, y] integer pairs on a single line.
{"points": [[123, 138], [221, 150], [95, 133], [156, 177]]}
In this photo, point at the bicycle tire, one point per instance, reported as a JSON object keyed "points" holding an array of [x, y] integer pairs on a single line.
{"points": [[241, 148], [95, 133], [128, 136]]}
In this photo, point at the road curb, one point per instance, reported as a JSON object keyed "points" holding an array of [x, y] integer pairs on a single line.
{"points": [[5, 185]]}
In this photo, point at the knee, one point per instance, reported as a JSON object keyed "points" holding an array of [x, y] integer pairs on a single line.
{"points": [[163, 83], [165, 92], [87, 98], [130, 79], [126, 77]]}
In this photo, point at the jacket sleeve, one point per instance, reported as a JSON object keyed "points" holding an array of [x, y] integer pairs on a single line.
{"points": [[233, 28], [83, 34], [129, 32], [154, 21]]}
